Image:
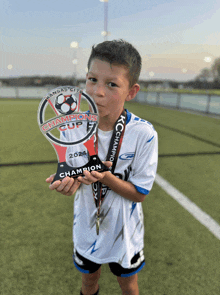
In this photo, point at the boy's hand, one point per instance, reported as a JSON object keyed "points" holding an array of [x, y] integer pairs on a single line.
{"points": [[94, 176], [67, 186]]}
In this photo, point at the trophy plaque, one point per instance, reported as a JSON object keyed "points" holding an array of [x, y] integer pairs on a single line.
{"points": [[68, 118]]}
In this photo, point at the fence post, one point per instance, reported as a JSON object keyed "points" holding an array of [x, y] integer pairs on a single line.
{"points": [[208, 103], [178, 101], [145, 96], [158, 98], [16, 92]]}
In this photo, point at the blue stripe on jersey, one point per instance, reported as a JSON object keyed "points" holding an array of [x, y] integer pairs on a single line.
{"points": [[134, 204], [142, 190], [150, 139], [128, 116], [64, 134], [133, 273], [80, 269], [93, 247]]}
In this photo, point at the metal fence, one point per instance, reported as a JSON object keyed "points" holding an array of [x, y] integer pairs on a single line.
{"points": [[206, 103], [24, 92]]}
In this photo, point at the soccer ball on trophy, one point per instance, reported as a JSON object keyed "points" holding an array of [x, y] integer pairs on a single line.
{"points": [[66, 104]]}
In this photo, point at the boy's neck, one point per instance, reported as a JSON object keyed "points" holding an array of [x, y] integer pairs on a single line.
{"points": [[108, 123], [105, 125]]}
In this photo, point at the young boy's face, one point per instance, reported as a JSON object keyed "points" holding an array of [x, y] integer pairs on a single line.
{"points": [[108, 85]]}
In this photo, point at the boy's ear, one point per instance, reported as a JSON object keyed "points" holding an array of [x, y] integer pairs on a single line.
{"points": [[132, 92]]}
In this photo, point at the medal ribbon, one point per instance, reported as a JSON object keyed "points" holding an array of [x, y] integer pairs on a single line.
{"points": [[113, 152]]}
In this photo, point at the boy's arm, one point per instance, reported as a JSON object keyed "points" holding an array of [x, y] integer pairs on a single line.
{"points": [[144, 167], [123, 188]]}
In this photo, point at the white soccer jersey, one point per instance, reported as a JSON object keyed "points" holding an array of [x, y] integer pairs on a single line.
{"points": [[121, 233]]}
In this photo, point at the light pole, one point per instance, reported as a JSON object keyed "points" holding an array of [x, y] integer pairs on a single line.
{"points": [[208, 59], [74, 45], [105, 33], [10, 67]]}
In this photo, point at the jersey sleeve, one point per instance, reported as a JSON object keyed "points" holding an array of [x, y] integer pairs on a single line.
{"points": [[145, 162]]}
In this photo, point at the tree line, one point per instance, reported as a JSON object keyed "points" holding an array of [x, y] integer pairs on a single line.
{"points": [[39, 81], [208, 78], [212, 73]]}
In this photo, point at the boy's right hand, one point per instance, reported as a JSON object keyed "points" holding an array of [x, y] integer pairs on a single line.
{"points": [[67, 186]]}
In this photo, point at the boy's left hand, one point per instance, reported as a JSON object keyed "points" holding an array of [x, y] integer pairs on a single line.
{"points": [[94, 176]]}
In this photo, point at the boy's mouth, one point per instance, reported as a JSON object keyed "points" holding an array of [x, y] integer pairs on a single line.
{"points": [[99, 105]]}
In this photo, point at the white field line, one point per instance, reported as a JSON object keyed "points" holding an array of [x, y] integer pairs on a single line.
{"points": [[191, 207]]}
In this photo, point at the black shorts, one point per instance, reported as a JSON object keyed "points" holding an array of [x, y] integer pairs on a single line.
{"points": [[86, 266]]}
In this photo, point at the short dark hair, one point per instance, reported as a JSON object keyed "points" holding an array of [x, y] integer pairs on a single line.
{"points": [[119, 52]]}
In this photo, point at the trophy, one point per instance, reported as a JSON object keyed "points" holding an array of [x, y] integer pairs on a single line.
{"points": [[68, 118]]}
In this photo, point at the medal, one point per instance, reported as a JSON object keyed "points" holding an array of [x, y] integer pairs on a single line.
{"points": [[97, 224]]}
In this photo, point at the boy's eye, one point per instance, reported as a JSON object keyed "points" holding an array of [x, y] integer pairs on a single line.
{"points": [[111, 84], [92, 79]]}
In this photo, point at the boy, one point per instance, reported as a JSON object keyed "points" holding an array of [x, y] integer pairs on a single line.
{"points": [[113, 71]]}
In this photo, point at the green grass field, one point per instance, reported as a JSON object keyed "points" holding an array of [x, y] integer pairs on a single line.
{"points": [[182, 256]]}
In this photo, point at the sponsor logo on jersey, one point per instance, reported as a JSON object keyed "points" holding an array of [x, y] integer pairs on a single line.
{"points": [[127, 156]]}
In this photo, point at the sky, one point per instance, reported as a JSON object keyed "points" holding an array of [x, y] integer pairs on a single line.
{"points": [[176, 39]]}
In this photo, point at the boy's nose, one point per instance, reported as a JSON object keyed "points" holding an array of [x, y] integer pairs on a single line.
{"points": [[99, 90]]}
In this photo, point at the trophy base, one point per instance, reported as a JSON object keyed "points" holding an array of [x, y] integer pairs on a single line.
{"points": [[94, 164]]}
